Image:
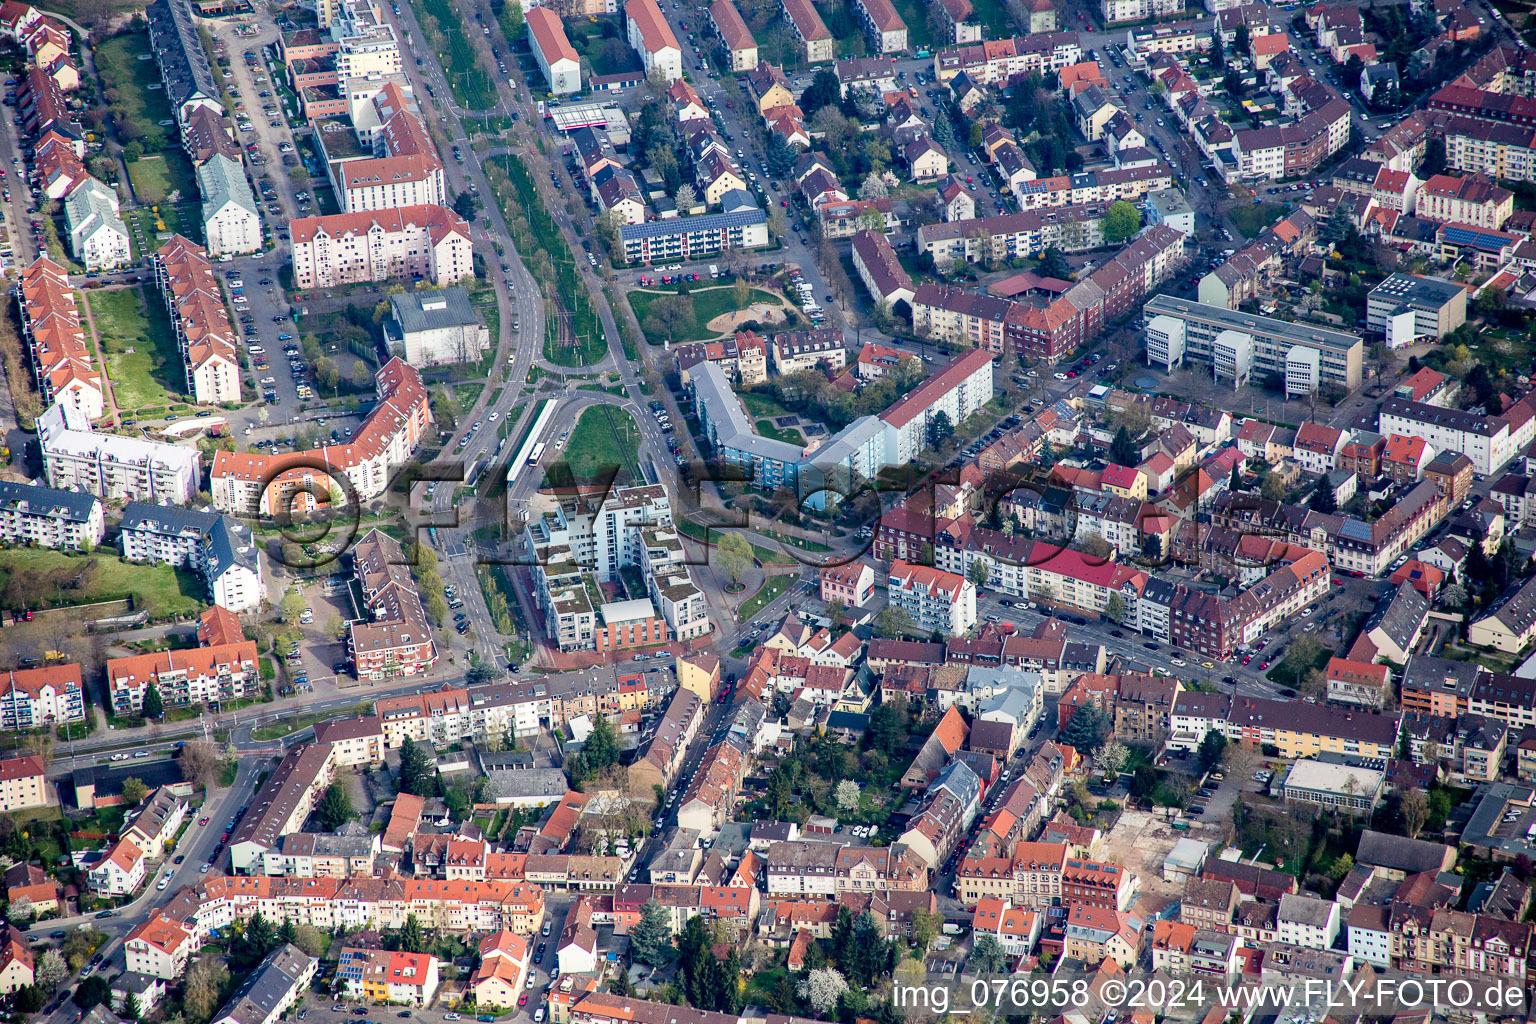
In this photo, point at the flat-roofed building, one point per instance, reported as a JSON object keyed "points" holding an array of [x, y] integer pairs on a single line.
{"points": [[1406, 308], [1340, 355]]}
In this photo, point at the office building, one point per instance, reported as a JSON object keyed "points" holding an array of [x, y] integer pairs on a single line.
{"points": [[1406, 308]]}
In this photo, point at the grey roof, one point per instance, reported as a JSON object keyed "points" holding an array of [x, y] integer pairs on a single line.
{"points": [[179, 51], [1306, 335], [507, 761], [707, 222], [958, 779], [432, 310], [1417, 292], [276, 980], [29, 499], [141, 515], [221, 181], [529, 782], [729, 422], [229, 544], [1307, 910], [322, 844], [1399, 853], [1517, 608], [1012, 702], [1399, 615], [133, 981]]}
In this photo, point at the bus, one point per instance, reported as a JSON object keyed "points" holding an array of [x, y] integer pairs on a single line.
{"points": [[537, 454]]}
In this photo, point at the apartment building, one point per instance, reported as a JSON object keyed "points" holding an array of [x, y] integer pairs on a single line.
{"points": [[231, 217], [1306, 355], [1488, 441], [1472, 199], [281, 805], [36, 697], [1297, 730], [807, 27], [23, 784], [204, 332], [45, 517], [63, 365], [652, 38], [734, 35], [97, 235], [1030, 877], [1406, 308], [404, 169], [886, 31], [111, 466], [996, 63], [222, 550], [201, 675], [385, 976], [937, 601], [252, 484], [797, 351], [395, 639], [741, 224], [356, 741], [424, 242], [160, 948], [556, 56]]}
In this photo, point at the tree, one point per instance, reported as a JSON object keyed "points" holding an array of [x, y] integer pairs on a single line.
{"points": [[602, 746], [686, 197], [50, 971], [134, 790], [650, 939], [22, 909], [1087, 729], [940, 429], [131, 1009], [1343, 865], [1122, 450], [979, 573], [848, 795], [988, 955], [741, 294], [733, 557], [873, 187], [466, 206], [892, 623], [1240, 42], [411, 937], [1454, 595], [1414, 806], [1112, 756], [291, 608], [92, 992], [1053, 263], [925, 928], [437, 608], [1322, 498], [204, 988], [1211, 746], [361, 378], [1121, 222], [200, 762], [779, 155], [1114, 608], [822, 989], [153, 706], [418, 772], [1095, 545], [1272, 489], [335, 808]]}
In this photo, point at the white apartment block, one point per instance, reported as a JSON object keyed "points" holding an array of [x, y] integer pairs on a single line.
{"points": [[556, 56], [199, 675], [23, 783], [218, 547], [34, 697], [424, 241], [97, 235], [231, 222], [1486, 440], [652, 38], [48, 518], [958, 390], [111, 466], [937, 601]]}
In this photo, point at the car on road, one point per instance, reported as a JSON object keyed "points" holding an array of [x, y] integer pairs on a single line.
{"points": [[203, 820]]}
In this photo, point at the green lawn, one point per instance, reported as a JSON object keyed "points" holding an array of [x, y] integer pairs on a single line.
{"points": [[772, 587], [602, 43], [789, 435], [604, 437], [762, 405], [915, 14], [1251, 220], [131, 103], [40, 578], [140, 348], [708, 303], [156, 177], [471, 84]]}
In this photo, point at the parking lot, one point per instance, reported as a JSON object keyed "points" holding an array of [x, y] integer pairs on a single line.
{"points": [[319, 652]]}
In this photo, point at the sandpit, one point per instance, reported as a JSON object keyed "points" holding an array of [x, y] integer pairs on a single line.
{"points": [[762, 312]]}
